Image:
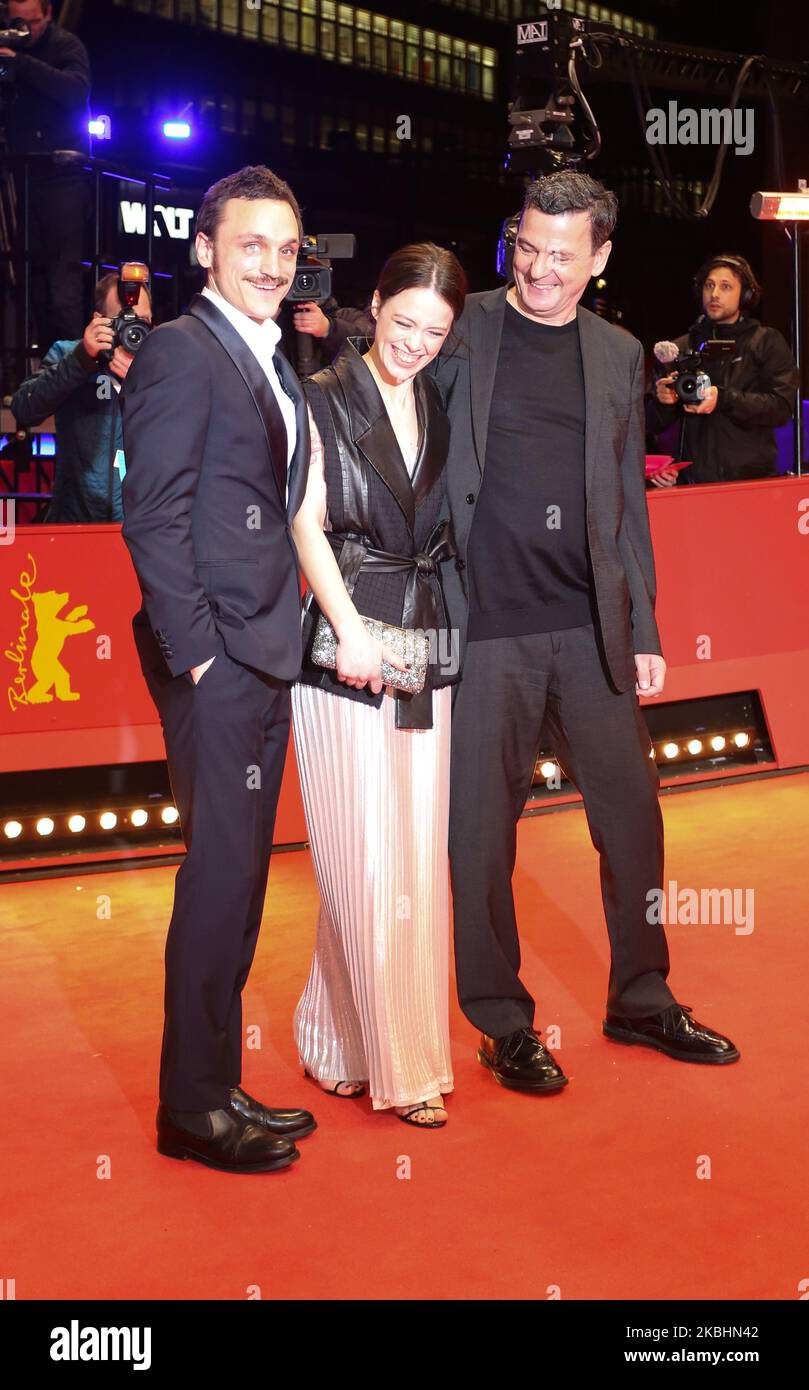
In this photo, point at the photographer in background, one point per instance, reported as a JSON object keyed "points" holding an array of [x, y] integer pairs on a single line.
{"points": [[47, 109], [328, 325], [728, 435], [82, 394]]}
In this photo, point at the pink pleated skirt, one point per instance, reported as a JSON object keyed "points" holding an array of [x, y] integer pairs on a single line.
{"points": [[375, 1007]]}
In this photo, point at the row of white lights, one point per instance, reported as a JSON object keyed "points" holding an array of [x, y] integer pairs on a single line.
{"points": [[108, 820], [170, 815], [694, 746]]}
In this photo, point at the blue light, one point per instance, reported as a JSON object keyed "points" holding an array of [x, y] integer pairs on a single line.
{"points": [[177, 130], [45, 445], [99, 127]]}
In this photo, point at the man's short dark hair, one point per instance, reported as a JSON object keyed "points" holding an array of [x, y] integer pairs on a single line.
{"points": [[568, 191], [255, 181], [102, 290]]}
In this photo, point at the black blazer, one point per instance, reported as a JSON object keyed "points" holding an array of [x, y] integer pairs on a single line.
{"points": [[403, 516], [205, 519], [617, 517]]}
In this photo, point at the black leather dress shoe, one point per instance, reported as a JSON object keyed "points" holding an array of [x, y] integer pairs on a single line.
{"points": [[222, 1139], [674, 1033], [290, 1124], [521, 1062]]}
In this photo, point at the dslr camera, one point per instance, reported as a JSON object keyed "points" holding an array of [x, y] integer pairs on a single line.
{"points": [[129, 330]]}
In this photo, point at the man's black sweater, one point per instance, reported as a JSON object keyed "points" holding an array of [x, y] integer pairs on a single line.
{"points": [[528, 560]]}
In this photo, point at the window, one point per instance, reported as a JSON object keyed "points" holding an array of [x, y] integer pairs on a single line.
{"points": [[354, 36]]}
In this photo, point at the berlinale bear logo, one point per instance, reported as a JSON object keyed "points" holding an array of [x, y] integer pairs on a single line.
{"points": [[52, 630]]}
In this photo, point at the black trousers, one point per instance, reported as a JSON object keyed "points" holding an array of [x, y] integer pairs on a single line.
{"points": [[226, 742], [510, 687]]}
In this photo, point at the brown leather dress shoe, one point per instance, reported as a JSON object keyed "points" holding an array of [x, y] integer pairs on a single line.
{"points": [[290, 1124], [222, 1139]]}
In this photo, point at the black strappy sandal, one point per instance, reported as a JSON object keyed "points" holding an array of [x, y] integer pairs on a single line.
{"points": [[422, 1124], [333, 1091]]}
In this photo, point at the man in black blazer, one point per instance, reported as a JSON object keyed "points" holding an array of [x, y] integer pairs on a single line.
{"points": [[553, 595], [217, 449]]}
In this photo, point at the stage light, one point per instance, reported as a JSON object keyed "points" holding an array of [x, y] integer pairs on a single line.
{"points": [[780, 207], [741, 740], [12, 829], [99, 127], [108, 820], [670, 750], [694, 746], [717, 743], [548, 769], [44, 826], [177, 130], [139, 817], [76, 823], [169, 815]]}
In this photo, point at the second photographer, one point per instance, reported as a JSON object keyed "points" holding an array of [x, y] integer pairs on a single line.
{"points": [[749, 392], [80, 388]]}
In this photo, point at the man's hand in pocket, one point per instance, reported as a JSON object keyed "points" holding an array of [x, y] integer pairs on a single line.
{"points": [[197, 671]]}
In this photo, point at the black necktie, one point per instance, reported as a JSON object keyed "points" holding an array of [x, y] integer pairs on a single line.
{"points": [[277, 432]]}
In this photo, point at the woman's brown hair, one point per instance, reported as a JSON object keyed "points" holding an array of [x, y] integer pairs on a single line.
{"points": [[423, 265]]}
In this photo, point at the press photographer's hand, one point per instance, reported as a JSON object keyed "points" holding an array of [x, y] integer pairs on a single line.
{"points": [[309, 318], [707, 406], [98, 336], [664, 390]]}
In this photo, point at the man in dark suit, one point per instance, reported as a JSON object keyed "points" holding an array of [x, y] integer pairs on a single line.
{"points": [[553, 594], [217, 449]]}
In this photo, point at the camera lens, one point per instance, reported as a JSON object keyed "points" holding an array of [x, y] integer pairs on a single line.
{"points": [[305, 282], [133, 335]]}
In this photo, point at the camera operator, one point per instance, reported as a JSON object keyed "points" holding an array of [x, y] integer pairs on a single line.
{"points": [[729, 434], [82, 394], [328, 325], [47, 110]]}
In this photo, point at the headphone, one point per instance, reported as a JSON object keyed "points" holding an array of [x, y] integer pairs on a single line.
{"points": [[751, 289]]}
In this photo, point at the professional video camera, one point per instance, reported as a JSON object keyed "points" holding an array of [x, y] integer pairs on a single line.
{"points": [[128, 329], [692, 382], [552, 125], [312, 283]]}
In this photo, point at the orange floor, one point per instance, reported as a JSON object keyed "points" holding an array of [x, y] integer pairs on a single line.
{"points": [[593, 1192]]}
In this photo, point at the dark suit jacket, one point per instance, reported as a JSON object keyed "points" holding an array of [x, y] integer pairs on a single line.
{"points": [[205, 519], [617, 518]]}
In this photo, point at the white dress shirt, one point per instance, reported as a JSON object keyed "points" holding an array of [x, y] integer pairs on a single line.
{"points": [[262, 339]]}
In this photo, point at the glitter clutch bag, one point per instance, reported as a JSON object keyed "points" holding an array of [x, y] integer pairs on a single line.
{"points": [[408, 644]]}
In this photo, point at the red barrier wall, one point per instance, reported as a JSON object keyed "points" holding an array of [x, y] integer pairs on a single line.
{"points": [[733, 607]]}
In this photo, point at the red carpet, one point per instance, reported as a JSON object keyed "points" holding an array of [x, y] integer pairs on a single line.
{"points": [[593, 1192]]}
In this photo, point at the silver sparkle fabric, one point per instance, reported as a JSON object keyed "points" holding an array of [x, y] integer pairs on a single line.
{"points": [[375, 1007]]}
